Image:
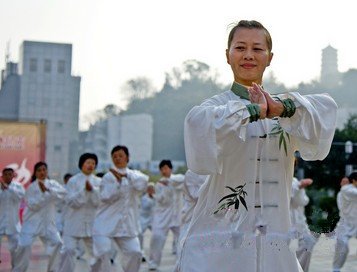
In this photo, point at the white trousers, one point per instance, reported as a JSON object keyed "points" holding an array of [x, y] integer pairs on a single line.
{"points": [[68, 253], [344, 232], [23, 251], [157, 244], [130, 246], [304, 251], [12, 245]]}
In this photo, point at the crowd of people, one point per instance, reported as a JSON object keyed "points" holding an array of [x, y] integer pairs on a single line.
{"points": [[236, 209], [93, 212]]}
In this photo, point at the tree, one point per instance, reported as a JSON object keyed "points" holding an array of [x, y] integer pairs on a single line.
{"points": [[138, 88]]}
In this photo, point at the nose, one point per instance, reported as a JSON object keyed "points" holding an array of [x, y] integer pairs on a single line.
{"points": [[248, 54]]}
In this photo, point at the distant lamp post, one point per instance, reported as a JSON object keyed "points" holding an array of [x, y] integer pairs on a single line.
{"points": [[348, 152]]}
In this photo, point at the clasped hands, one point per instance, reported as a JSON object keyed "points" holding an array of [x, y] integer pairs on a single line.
{"points": [[269, 108], [118, 175]]}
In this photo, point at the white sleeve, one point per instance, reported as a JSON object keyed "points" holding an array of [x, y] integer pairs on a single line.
{"points": [[177, 181], [109, 191], [56, 190], [94, 195], [298, 195], [75, 198], [349, 193], [36, 201], [17, 191], [313, 124], [138, 180], [206, 128]]}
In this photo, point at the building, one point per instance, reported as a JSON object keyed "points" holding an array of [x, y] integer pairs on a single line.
{"points": [[134, 131], [41, 87], [330, 76]]}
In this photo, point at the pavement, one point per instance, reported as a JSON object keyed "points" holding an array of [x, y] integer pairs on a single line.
{"points": [[321, 258]]}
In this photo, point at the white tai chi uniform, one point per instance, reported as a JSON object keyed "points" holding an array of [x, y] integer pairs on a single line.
{"points": [[78, 224], [166, 216], [146, 216], [9, 215], [220, 141], [39, 220], [347, 226], [307, 240], [117, 218]]}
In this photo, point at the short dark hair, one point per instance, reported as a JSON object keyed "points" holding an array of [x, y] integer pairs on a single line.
{"points": [[352, 176], [165, 162], [100, 174], [85, 157], [250, 25], [67, 176], [7, 169], [120, 147]]}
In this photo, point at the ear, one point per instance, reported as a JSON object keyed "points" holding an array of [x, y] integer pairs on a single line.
{"points": [[270, 58], [227, 56]]}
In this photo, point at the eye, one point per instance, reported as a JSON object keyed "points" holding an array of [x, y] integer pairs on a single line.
{"points": [[240, 48], [258, 49]]}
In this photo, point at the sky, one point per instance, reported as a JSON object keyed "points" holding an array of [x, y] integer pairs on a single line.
{"points": [[115, 40]]}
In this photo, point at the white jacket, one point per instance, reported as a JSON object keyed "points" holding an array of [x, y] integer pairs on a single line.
{"points": [[40, 211], [9, 208], [220, 142], [118, 215], [81, 205]]}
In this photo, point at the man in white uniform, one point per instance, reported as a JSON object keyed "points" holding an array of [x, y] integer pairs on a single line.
{"points": [[117, 216], [347, 225], [167, 211], [82, 201], [307, 240], [11, 194], [246, 140]]}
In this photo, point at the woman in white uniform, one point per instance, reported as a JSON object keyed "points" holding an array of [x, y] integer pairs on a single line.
{"points": [[245, 140], [39, 218]]}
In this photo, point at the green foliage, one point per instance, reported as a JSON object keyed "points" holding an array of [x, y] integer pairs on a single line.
{"points": [[170, 106]]}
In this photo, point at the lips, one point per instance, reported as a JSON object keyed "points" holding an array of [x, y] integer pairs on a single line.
{"points": [[248, 65]]}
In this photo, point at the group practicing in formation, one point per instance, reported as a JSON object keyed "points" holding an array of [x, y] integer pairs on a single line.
{"points": [[238, 208]]}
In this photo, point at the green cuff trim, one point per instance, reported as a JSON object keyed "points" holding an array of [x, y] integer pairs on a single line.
{"points": [[289, 107], [254, 111]]}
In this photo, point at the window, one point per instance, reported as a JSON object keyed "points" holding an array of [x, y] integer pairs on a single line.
{"points": [[60, 66], [33, 65], [47, 66]]}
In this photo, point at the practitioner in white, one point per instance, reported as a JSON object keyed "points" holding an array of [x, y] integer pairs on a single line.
{"points": [[39, 218], [307, 240], [347, 226], [167, 211], [245, 139], [82, 201], [11, 194], [146, 213], [117, 216]]}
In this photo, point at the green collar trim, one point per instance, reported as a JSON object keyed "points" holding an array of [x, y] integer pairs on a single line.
{"points": [[240, 90]]}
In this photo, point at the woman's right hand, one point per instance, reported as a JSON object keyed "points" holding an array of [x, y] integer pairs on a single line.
{"points": [[257, 96]]}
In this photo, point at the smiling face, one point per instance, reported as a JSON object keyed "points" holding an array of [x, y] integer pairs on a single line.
{"points": [[248, 55], [120, 159], [88, 166]]}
